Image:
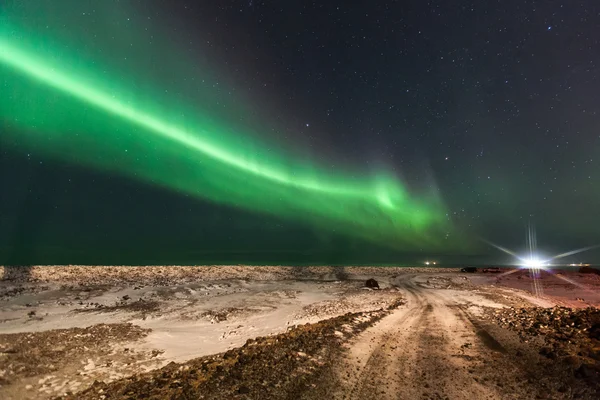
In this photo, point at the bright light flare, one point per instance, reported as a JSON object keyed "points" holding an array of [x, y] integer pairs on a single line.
{"points": [[533, 262], [577, 251]]}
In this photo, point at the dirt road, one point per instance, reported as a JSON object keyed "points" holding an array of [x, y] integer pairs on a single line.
{"points": [[288, 333], [436, 347]]}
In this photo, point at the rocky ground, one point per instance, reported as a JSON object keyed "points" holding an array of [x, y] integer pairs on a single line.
{"points": [[569, 336], [87, 332], [45, 359], [168, 275]]}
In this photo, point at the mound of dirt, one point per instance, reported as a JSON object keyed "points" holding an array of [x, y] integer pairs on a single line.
{"points": [[372, 283]]}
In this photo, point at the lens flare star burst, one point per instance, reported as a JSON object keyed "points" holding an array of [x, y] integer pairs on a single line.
{"points": [[534, 263]]}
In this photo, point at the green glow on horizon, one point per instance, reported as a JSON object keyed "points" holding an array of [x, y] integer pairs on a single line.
{"points": [[59, 112]]}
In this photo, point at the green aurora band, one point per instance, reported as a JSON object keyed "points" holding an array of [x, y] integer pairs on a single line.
{"points": [[55, 109]]}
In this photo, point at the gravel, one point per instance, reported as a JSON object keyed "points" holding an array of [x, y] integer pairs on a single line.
{"points": [[52, 349], [568, 335], [168, 275]]}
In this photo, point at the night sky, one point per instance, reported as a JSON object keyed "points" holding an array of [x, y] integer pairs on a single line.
{"points": [[297, 132]]}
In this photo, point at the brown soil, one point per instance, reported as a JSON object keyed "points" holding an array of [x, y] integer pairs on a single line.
{"points": [[53, 350]]}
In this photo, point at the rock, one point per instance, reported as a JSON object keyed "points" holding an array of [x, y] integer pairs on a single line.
{"points": [[372, 283], [563, 389], [585, 371], [589, 270], [243, 390], [595, 331], [545, 350], [595, 353], [572, 360]]}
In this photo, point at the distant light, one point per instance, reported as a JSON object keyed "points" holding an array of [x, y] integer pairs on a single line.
{"points": [[549, 28], [533, 262], [426, 262], [434, 263]]}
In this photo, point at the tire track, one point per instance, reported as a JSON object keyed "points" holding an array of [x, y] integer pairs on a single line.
{"points": [[387, 359], [431, 348]]}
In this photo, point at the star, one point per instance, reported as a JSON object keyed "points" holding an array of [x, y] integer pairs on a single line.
{"points": [[391, 115]]}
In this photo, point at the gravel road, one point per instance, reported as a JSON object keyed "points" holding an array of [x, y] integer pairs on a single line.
{"points": [[437, 347], [118, 333]]}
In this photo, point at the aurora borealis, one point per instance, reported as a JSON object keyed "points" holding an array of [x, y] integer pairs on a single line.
{"points": [[120, 90], [198, 158]]}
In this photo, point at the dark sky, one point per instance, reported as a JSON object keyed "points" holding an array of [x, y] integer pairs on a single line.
{"points": [[496, 104]]}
